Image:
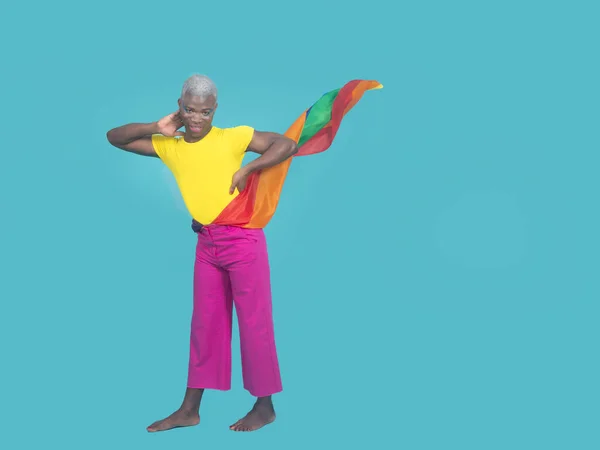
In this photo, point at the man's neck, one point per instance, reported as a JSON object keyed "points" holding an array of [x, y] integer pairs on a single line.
{"points": [[192, 140]]}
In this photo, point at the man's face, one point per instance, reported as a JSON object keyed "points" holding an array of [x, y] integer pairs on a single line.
{"points": [[197, 113]]}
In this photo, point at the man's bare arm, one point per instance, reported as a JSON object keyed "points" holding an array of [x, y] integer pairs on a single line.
{"points": [[137, 137], [134, 138], [273, 148]]}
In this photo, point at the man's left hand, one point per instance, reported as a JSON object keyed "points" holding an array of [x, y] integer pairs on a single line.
{"points": [[240, 178]]}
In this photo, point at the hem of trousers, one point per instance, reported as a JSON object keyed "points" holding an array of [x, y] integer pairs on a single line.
{"points": [[207, 386], [263, 393]]}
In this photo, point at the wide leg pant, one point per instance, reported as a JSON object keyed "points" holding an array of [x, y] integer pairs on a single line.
{"points": [[232, 268]]}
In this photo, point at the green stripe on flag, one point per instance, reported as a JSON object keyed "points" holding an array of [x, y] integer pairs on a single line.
{"points": [[318, 116]]}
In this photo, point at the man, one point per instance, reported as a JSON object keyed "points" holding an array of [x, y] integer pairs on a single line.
{"points": [[231, 265]]}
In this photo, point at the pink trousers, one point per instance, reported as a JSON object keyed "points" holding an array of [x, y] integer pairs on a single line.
{"points": [[232, 268]]}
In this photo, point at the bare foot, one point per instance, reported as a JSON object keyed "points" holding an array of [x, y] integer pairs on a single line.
{"points": [[261, 414], [179, 418]]}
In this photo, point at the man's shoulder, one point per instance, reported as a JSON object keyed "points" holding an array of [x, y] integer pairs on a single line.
{"points": [[163, 144], [237, 133], [165, 139], [237, 137], [237, 129]]}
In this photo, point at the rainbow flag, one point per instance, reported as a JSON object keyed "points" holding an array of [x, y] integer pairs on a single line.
{"points": [[313, 131]]}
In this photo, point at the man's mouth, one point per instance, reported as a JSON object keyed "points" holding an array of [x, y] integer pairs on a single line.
{"points": [[195, 128]]}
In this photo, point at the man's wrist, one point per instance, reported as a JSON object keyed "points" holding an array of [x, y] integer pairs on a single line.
{"points": [[153, 128], [249, 168]]}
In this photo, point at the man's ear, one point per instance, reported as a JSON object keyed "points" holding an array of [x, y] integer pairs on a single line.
{"points": [[179, 102]]}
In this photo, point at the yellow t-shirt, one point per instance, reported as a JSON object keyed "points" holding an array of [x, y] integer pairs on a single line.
{"points": [[203, 170]]}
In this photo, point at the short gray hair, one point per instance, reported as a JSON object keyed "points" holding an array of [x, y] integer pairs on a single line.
{"points": [[199, 86]]}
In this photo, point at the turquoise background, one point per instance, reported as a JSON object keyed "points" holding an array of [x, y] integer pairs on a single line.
{"points": [[435, 273]]}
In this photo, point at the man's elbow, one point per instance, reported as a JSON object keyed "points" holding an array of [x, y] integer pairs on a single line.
{"points": [[292, 147], [110, 137]]}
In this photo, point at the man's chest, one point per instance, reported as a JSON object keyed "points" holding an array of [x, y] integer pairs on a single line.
{"points": [[207, 160]]}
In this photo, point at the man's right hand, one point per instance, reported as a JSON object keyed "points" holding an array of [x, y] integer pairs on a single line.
{"points": [[169, 125]]}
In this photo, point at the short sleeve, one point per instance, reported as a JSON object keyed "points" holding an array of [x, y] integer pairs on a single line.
{"points": [[241, 137], [164, 147]]}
